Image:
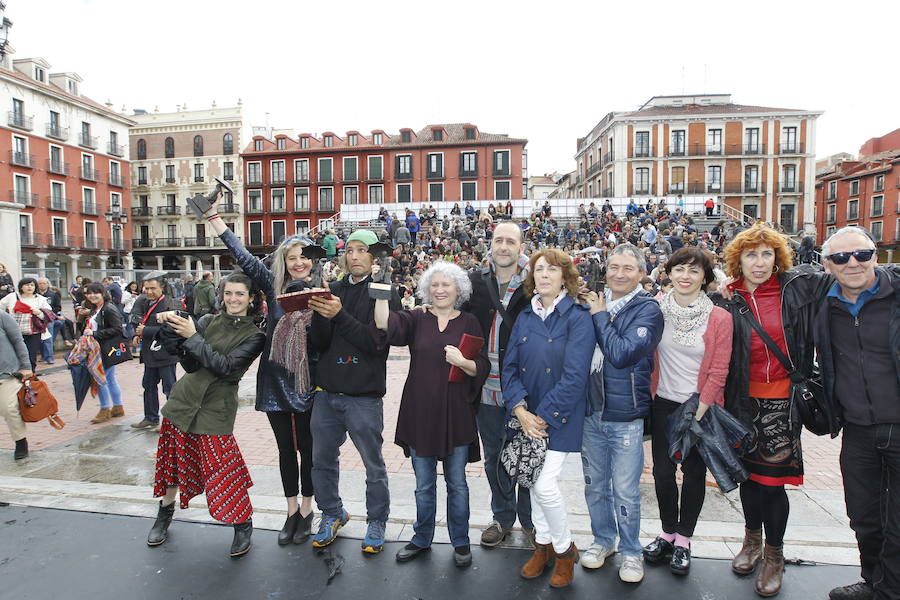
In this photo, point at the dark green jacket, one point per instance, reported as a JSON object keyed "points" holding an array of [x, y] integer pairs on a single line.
{"points": [[204, 298], [216, 357]]}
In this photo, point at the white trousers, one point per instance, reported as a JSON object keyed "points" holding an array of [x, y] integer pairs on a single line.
{"points": [[9, 407], [548, 508]]}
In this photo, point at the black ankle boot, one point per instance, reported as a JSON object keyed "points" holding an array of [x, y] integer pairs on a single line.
{"points": [[240, 545], [286, 535], [21, 449], [304, 528], [160, 530]]}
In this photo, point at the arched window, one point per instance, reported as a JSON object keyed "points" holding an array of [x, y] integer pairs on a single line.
{"points": [[170, 148], [198, 145], [228, 144], [142, 149]]}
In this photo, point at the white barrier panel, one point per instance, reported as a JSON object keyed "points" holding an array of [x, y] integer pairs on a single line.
{"points": [[561, 207]]}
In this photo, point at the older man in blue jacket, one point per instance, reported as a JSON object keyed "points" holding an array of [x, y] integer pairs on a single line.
{"points": [[628, 325]]}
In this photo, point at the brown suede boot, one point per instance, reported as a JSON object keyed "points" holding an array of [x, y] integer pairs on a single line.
{"points": [[768, 581], [543, 553], [746, 560], [565, 567], [117, 411], [103, 415]]}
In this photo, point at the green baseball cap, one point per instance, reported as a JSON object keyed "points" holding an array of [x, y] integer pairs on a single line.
{"points": [[363, 235]]}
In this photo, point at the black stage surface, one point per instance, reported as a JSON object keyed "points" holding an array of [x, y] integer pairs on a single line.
{"points": [[50, 554]]}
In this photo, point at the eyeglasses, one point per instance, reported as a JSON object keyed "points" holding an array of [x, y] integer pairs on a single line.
{"points": [[842, 258]]}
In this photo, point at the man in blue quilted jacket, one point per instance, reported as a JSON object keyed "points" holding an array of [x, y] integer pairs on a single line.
{"points": [[628, 325]]}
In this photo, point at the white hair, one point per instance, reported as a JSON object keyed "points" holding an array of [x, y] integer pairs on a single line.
{"points": [[848, 230], [630, 250], [454, 273]]}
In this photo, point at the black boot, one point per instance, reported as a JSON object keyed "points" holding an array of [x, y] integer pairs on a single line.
{"points": [[304, 528], [21, 449], [160, 530], [286, 535], [240, 545]]}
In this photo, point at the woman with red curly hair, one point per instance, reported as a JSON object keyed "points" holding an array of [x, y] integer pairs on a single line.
{"points": [[758, 388]]}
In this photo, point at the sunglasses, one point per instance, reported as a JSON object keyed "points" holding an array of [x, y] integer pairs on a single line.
{"points": [[842, 258]]}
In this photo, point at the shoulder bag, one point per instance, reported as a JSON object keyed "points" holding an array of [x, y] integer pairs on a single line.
{"points": [[808, 391], [37, 403]]}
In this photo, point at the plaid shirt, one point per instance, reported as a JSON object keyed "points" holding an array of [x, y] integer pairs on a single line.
{"points": [[490, 393]]}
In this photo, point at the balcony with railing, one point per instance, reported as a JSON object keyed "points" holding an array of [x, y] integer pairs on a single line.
{"points": [[26, 198], [116, 179], [831, 196], [88, 141], [326, 206], [254, 209], [90, 174], [501, 172], [57, 167], [199, 179], [790, 187], [170, 180], [714, 187], [791, 148], [593, 170], [196, 242], [463, 172], [301, 178], [20, 121], [92, 243], [168, 242], [279, 209], [403, 175], [28, 239], [641, 189], [58, 203], [141, 243], [277, 180], [56, 132], [168, 211], [228, 209], [642, 152], [141, 211], [21, 159], [60, 241], [115, 149], [254, 180], [89, 208], [676, 188], [327, 178], [608, 158], [677, 150]]}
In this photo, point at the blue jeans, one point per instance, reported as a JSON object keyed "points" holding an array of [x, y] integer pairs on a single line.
{"points": [[47, 345], [504, 502], [110, 390], [334, 416], [152, 377], [425, 468], [612, 456]]}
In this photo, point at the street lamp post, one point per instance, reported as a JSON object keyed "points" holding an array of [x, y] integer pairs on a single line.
{"points": [[117, 219]]}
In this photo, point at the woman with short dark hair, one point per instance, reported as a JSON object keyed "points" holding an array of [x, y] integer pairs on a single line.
{"points": [[24, 305]]}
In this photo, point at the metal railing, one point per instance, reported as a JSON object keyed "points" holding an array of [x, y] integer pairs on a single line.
{"points": [[28, 238], [115, 149], [254, 181], [790, 187], [60, 241], [594, 168], [88, 141], [26, 198], [141, 211], [88, 208], [57, 132], [140, 243], [115, 179], [170, 180], [607, 158], [20, 121], [21, 159], [642, 152], [228, 209], [89, 243], [196, 242], [199, 178], [641, 190], [57, 167], [59, 204], [254, 210], [791, 148], [277, 180], [168, 242], [279, 210], [168, 211], [90, 174]]}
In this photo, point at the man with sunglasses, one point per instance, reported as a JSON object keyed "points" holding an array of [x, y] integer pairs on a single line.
{"points": [[857, 335]]}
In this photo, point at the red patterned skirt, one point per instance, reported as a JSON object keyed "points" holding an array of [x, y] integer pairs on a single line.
{"points": [[197, 463]]}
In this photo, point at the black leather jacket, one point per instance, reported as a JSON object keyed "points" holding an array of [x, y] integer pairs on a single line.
{"points": [[109, 322], [802, 289]]}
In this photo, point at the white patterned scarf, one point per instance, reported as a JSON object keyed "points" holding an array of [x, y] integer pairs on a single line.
{"points": [[685, 320]]}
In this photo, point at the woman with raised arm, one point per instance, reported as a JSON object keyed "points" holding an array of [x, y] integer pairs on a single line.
{"points": [[287, 407], [197, 452]]}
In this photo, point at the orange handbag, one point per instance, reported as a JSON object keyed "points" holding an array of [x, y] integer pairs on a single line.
{"points": [[36, 403]]}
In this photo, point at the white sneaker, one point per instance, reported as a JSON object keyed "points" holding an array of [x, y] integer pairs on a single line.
{"points": [[595, 556], [632, 569]]}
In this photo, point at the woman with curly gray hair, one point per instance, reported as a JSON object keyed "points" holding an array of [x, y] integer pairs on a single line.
{"points": [[437, 415]]}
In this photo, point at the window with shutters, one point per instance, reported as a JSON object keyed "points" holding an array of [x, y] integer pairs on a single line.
{"points": [[328, 141], [301, 199], [404, 166], [501, 163], [502, 190], [469, 191], [404, 192], [435, 165], [325, 173], [276, 174], [376, 194], [470, 133], [326, 199], [304, 142], [255, 228], [377, 138], [351, 168], [877, 206], [437, 135], [281, 143], [257, 145], [352, 139], [468, 164], [405, 137], [351, 194], [301, 170], [435, 192], [376, 168]]}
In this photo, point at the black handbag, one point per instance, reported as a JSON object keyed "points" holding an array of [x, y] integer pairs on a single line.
{"points": [[114, 351], [808, 393]]}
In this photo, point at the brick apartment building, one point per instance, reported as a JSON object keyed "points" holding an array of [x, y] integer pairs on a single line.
{"points": [[177, 155], [755, 159], [295, 185], [864, 191], [64, 158]]}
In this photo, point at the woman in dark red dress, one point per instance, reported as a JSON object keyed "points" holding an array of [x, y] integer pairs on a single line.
{"points": [[437, 417]]}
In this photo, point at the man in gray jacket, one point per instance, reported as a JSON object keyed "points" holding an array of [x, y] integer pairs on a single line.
{"points": [[13, 361]]}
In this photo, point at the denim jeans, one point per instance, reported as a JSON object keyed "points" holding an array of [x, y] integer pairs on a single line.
{"points": [[152, 377], [504, 502], [870, 458], [425, 468], [54, 327], [612, 455], [110, 390], [334, 416]]}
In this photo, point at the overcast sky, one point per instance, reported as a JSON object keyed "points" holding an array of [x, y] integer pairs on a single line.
{"points": [[545, 71]]}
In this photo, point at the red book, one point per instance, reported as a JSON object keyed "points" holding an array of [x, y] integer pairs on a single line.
{"points": [[300, 300], [470, 346]]}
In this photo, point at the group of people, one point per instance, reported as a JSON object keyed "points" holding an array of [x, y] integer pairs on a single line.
{"points": [[580, 368]]}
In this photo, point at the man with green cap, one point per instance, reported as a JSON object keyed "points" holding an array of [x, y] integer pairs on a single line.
{"points": [[351, 376]]}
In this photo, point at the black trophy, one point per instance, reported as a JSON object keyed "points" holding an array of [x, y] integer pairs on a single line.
{"points": [[380, 288], [200, 203]]}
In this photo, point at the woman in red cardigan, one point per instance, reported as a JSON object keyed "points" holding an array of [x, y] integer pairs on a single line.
{"points": [[692, 358]]}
